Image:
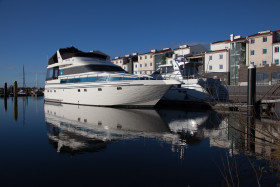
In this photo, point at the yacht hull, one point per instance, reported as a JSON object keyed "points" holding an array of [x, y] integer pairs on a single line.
{"points": [[136, 93]]}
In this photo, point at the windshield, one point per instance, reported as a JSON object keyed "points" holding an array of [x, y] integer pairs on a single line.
{"points": [[189, 70]]}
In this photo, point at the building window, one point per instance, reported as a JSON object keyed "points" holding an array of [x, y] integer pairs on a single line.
{"points": [[252, 41], [151, 64], [221, 56], [276, 61], [140, 65], [276, 49], [145, 57], [210, 57], [210, 67], [264, 62], [264, 51], [151, 56], [264, 39], [252, 52], [221, 66], [145, 64], [140, 72], [140, 58], [253, 63], [135, 65]]}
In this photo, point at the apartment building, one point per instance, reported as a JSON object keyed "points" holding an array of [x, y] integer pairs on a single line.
{"points": [[145, 64], [217, 61], [259, 49], [124, 62], [276, 47], [119, 61], [224, 59]]}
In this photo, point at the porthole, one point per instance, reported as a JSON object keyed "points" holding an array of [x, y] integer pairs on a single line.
{"points": [[85, 90], [79, 90]]}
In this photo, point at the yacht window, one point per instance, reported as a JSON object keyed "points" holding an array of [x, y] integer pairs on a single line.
{"points": [[52, 73], [119, 88], [168, 69], [99, 89], [90, 68]]}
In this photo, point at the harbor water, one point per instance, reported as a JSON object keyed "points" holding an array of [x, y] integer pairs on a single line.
{"points": [[45, 144]]}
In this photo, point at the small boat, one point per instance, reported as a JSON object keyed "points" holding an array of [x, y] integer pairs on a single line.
{"points": [[193, 87], [89, 78], [22, 93], [37, 92]]}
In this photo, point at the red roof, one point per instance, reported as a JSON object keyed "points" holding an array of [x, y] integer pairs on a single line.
{"points": [[197, 55], [260, 34], [145, 53], [224, 41], [217, 51], [239, 39]]}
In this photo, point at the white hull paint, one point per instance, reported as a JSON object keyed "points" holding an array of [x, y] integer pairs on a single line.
{"points": [[130, 93]]}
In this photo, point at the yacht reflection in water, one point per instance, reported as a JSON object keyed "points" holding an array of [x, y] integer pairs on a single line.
{"points": [[74, 129]]}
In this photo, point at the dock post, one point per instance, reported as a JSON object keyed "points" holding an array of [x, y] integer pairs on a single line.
{"points": [[5, 90], [15, 89], [251, 106], [251, 92]]}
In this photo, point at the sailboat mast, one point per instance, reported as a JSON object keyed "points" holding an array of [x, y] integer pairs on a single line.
{"points": [[23, 73], [36, 80]]}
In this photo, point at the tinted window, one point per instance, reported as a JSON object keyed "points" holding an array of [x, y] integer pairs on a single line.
{"points": [[90, 68]]}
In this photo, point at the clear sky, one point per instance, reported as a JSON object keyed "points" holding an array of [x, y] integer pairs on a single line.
{"points": [[32, 30]]}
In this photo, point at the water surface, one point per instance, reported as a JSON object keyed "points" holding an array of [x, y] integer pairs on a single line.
{"points": [[46, 144]]}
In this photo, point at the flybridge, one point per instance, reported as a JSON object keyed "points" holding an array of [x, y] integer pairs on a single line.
{"points": [[70, 52]]}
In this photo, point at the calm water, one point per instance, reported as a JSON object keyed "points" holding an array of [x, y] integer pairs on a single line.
{"points": [[68, 145]]}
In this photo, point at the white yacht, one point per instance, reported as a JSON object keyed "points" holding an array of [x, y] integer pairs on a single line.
{"points": [[89, 78], [193, 87]]}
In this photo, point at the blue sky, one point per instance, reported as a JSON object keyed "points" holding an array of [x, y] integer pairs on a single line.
{"points": [[32, 30]]}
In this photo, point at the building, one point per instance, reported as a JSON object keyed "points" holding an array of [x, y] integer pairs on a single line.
{"points": [[259, 49], [237, 57], [163, 56], [185, 51], [216, 61], [262, 51], [145, 64], [118, 61]]}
